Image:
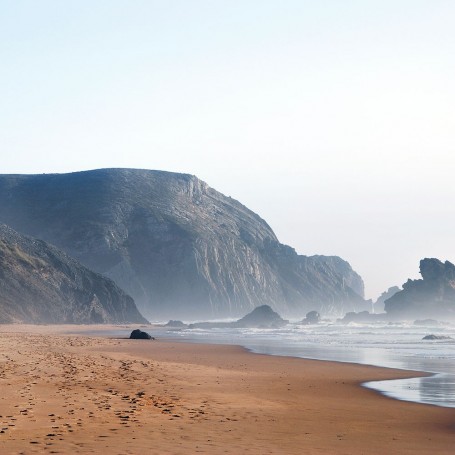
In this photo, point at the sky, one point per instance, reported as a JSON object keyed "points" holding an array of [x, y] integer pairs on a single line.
{"points": [[333, 120]]}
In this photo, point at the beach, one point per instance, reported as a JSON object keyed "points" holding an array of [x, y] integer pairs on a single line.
{"points": [[70, 393]]}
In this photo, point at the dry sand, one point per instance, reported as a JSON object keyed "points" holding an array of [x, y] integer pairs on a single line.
{"points": [[76, 394]]}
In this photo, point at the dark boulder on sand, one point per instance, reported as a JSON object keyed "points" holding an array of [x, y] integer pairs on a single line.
{"points": [[140, 335]]}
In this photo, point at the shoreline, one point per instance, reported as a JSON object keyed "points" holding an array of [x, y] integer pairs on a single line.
{"points": [[96, 330], [71, 393]]}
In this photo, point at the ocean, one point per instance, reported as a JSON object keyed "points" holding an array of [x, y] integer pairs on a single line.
{"points": [[390, 345]]}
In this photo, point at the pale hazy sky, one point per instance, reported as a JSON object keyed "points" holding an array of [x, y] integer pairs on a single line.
{"points": [[332, 119]]}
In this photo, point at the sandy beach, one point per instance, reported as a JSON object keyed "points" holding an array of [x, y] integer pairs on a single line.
{"points": [[70, 394]]}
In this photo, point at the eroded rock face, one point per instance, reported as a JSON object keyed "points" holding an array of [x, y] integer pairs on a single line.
{"points": [[179, 247], [40, 284], [431, 297]]}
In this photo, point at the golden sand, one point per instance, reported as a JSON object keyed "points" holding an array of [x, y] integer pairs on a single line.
{"points": [[72, 394]]}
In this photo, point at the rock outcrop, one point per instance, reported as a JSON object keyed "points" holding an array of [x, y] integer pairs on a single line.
{"points": [[436, 337], [379, 304], [179, 247], [175, 324], [364, 317], [140, 335], [312, 317], [261, 317], [433, 296], [40, 284]]}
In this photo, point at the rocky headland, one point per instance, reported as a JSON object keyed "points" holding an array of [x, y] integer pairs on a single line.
{"points": [[41, 285], [178, 247], [433, 296]]}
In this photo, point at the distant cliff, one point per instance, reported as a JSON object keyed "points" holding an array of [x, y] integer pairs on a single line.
{"points": [[179, 247], [431, 297], [40, 284], [379, 304]]}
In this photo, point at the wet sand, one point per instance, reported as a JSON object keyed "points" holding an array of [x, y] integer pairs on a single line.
{"points": [[68, 394]]}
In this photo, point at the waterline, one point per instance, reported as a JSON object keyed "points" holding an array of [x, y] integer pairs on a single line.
{"points": [[397, 346]]}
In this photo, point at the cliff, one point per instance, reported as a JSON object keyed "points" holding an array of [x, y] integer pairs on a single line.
{"points": [[179, 247], [40, 284], [379, 304], [433, 296]]}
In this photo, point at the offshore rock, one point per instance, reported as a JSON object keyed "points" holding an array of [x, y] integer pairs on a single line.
{"points": [[179, 247], [41, 285], [175, 324], [436, 337], [364, 317], [312, 317], [431, 297], [261, 317]]}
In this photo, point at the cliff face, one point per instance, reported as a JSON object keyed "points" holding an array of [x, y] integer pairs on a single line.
{"points": [[379, 304], [179, 247], [431, 297], [40, 284]]}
